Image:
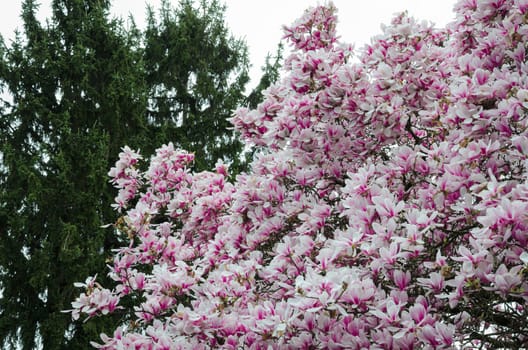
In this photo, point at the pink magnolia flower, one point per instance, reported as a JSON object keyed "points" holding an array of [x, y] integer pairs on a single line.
{"points": [[385, 207]]}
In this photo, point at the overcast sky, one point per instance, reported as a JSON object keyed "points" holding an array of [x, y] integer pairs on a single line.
{"points": [[259, 21]]}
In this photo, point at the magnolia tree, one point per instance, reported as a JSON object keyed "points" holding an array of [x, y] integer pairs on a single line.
{"points": [[387, 207]]}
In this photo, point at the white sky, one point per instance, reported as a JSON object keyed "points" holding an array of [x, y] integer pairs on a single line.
{"points": [[259, 22]]}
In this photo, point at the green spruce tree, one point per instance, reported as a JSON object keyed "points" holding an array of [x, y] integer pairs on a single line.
{"points": [[77, 95], [196, 72]]}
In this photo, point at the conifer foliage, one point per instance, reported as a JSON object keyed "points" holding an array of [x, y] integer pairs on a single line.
{"points": [[386, 209], [73, 99], [77, 89], [196, 73]]}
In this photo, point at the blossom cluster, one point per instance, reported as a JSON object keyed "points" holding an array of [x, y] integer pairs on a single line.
{"points": [[386, 208]]}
